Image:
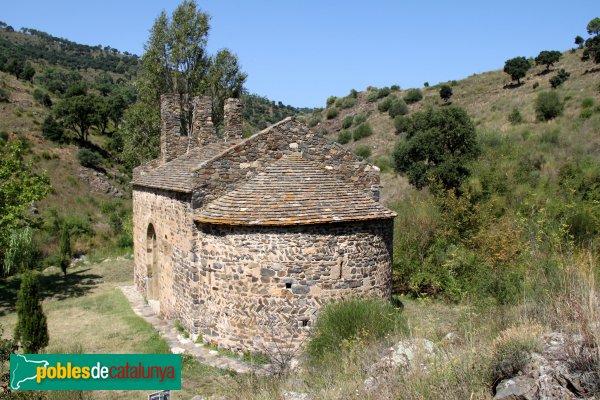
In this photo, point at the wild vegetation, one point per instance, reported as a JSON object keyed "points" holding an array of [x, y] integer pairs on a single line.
{"points": [[496, 239]]}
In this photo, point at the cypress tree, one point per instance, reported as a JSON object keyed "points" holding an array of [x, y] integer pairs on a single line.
{"points": [[32, 329], [65, 248]]}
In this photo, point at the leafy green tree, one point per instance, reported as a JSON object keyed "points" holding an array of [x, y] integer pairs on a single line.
{"points": [[592, 49], [548, 58], [176, 60], [104, 83], [79, 113], [438, 147], [517, 68], [32, 329], [19, 187], [445, 93], [27, 73], [398, 107], [593, 27], [579, 41], [89, 158]]}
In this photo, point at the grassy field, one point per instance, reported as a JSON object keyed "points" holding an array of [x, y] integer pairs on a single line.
{"points": [[87, 313]]}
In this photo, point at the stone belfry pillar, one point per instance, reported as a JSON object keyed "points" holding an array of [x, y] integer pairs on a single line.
{"points": [[170, 126], [203, 130], [232, 119]]}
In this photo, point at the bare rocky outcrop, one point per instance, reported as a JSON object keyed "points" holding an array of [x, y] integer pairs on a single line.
{"points": [[552, 375], [99, 182]]}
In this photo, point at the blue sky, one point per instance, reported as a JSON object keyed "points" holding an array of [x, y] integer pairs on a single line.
{"points": [[301, 52]]}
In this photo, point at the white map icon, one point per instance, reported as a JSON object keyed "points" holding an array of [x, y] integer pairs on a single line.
{"points": [[16, 385]]}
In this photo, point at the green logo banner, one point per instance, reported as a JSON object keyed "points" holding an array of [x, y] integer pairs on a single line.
{"points": [[95, 371]]}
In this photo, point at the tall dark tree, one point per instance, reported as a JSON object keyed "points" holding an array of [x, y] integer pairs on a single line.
{"points": [[517, 68], [446, 93], [28, 72], [438, 147], [32, 329], [176, 60], [579, 41], [548, 58], [15, 66], [592, 44]]}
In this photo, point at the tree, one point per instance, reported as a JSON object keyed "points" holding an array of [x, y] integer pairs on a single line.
{"points": [[579, 41], [176, 60], [19, 187], [225, 79], [27, 73], [53, 130], [548, 106], [593, 27], [517, 68], [15, 66], [439, 144], [548, 58], [65, 248], [445, 93], [560, 77], [32, 329], [79, 113]]}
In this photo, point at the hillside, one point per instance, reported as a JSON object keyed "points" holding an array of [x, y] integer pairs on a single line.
{"points": [[96, 200]]}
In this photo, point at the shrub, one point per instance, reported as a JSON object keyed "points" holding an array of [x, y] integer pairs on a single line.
{"points": [[347, 121], [363, 151], [314, 120], [89, 158], [548, 106], [383, 92], [384, 105], [332, 113], [586, 113], [331, 100], [359, 119], [348, 102], [346, 321], [559, 78], [397, 108], [353, 93], [42, 97], [338, 102], [587, 102], [511, 350], [53, 130], [384, 163], [426, 84], [395, 88], [515, 116], [344, 136], [362, 131], [4, 96], [446, 93], [402, 124], [413, 96], [536, 85], [551, 136], [372, 96]]}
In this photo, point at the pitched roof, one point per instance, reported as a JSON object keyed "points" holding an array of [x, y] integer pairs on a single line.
{"points": [[293, 191], [176, 174]]}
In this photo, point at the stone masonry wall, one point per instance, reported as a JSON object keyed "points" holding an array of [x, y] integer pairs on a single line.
{"points": [[233, 114], [170, 214], [261, 286], [244, 160]]}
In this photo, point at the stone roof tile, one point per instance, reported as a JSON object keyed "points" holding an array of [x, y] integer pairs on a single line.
{"points": [[176, 174], [292, 191]]}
